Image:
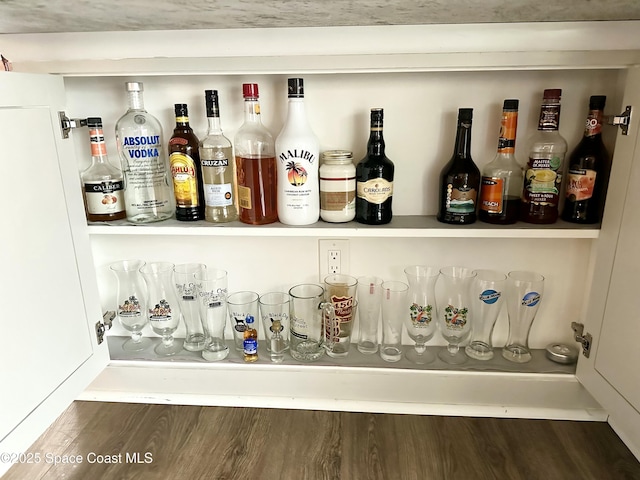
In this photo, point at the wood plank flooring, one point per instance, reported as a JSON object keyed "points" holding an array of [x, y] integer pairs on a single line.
{"points": [[190, 442]]}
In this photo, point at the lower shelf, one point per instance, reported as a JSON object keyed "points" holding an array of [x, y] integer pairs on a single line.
{"points": [[352, 384]]}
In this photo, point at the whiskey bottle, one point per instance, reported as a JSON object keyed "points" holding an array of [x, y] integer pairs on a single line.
{"points": [[102, 183], [250, 342], [374, 177], [218, 167], [147, 189], [460, 177], [184, 159]]}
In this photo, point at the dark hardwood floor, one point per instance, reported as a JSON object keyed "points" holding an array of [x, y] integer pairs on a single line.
{"points": [[187, 442]]}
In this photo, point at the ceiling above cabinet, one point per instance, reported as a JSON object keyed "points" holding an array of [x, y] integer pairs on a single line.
{"points": [[42, 16]]}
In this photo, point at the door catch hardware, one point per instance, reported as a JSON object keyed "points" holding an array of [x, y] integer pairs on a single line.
{"points": [[104, 325], [623, 120], [67, 124], [585, 339]]}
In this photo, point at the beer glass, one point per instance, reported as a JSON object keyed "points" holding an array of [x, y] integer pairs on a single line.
{"points": [[340, 290], [487, 297], [313, 323], [275, 306], [131, 305], [185, 281], [211, 288], [394, 304], [242, 305], [369, 293]]}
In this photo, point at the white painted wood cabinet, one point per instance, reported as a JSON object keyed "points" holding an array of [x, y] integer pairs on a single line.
{"points": [[421, 76]]}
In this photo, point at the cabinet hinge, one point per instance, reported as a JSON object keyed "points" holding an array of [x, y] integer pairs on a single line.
{"points": [[66, 123], [623, 120], [104, 325], [585, 339]]}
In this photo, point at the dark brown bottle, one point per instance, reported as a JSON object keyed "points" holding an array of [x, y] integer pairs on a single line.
{"points": [[186, 171], [374, 178], [588, 172], [460, 177]]}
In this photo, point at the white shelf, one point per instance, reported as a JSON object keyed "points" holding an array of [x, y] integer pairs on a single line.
{"points": [[409, 226]]}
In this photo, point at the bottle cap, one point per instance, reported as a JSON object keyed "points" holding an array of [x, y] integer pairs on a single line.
{"points": [[465, 114], [95, 122], [511, 104], [134, 86], [295, 87], [250, 90], [181, 110], [211, 101], [552, 94], [377, 115], [596, 102], [249, 319], [337, 155]]}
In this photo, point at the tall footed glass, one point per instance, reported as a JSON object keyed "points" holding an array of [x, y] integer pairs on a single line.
{"points": [[162, 307], [524, 294], [487, 297], [454, 316], [130, 297], [421, 310], [184, 278], [211, 288]]}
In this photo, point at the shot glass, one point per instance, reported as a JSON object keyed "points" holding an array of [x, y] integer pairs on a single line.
{"points": [[524, 294], [274, 307], [369, 293], [240, 306], [394, 298]]}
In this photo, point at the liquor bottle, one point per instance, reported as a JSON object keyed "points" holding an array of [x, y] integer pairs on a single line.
{"points": [[218, 167], [374, 177], [250, 342], [460, 177], [277, 343], [147, 190], [256, 164], [588, 172], [543, 176], [102, 183], [297, 153], [184, 159], [502, 178]]}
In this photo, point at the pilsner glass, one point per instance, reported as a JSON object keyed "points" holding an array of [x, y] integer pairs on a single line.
{"points": [[185, 281], [454, 317], [162, 310], [211, 288], [524, 294], [394, 298], [369, 300], [487, 296], [130, 296], [421, 310]]}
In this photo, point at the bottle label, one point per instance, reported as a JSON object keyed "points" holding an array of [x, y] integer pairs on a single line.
{"points": [[218, 195], [98, 147], [244, 197], [104, 198], [461, 199], [492, 195], [508, 127], [542, 181], [580, 184], [250, 346], [298, 174], [185, 184], [549, 117], [594, 123], [376, 190]]}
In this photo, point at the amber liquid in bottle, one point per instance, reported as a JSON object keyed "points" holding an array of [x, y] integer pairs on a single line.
{"points": [[257, 206]]}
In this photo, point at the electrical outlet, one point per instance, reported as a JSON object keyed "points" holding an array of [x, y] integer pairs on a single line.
{"points": [[333, 257]]}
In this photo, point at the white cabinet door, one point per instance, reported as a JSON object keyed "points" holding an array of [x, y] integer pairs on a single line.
{"points": [[612, 316], [47, 285]]}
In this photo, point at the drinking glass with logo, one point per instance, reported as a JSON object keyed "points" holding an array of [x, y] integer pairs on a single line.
{"points": [[274, 306], [422, 308], [487, 296], [185, 281], [340, 290], [454, 316], [313, 322], [242, 305], [211, 288], [162, 305], [369, 299], [524, 294], [131, 305]]}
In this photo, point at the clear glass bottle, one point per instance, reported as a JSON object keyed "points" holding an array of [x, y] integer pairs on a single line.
{"points": [[460, 177], [218, 167], [277, 342], [543, 176], [184, 160], [374, 177], [256, 164], [588, 173], [297, 151], [502, 178], [337, 186], [102, 183], [148, 192]]}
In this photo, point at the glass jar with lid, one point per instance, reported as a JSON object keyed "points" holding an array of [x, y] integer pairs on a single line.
{"points": [[337, 186]]}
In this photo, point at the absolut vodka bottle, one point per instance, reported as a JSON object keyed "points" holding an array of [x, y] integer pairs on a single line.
{"points": [[147, 189]]}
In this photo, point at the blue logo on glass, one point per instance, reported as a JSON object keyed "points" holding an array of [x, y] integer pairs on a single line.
{"points": [[490, 296], [531, 299]]}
